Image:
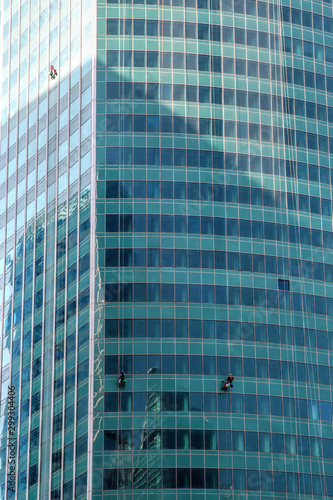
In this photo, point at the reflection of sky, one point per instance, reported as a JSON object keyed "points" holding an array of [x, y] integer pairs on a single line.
{"points": [[5, 356]]}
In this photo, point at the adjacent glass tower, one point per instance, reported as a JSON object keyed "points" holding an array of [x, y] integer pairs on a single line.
{"points": [[166, 210], [45, 260]]}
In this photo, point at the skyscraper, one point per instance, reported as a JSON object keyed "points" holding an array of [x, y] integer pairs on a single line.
{"points": [[166, 210], [45, 257]]}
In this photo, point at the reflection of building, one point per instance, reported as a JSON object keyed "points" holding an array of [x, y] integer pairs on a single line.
{"points": [[165, 209]]}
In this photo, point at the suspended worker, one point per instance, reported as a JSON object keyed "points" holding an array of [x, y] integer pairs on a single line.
{"points": [[228, 382], [53, 72], [122, 380]]}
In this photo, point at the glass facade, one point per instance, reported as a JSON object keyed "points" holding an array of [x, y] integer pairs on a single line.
{"points": [[214, 249], [166, 210]]}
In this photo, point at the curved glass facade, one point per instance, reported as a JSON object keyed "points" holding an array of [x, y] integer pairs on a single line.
{"points": [[214, 243]]}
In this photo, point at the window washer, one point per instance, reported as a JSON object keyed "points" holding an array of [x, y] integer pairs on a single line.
{"points": [[53, 72], [228, 382], [122, 380]]}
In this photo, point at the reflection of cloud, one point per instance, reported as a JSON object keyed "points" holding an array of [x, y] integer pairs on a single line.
{"points": [[5, 356]]}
